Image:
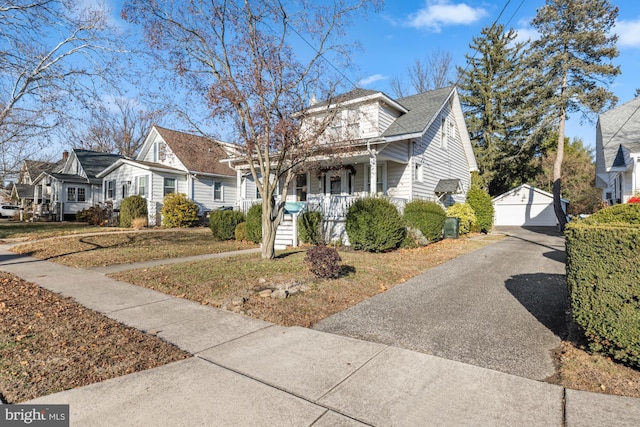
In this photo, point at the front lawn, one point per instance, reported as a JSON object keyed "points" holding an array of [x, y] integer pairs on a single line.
{"points": [[134, 246], [41, 230]]}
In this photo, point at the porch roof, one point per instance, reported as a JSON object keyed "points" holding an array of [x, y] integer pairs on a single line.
{"points": [[448, 186]]}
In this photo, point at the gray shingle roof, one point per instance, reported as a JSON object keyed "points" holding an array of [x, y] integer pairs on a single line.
{"points": [[620, 126], [94, 162], [447, 186], [422, 107]]}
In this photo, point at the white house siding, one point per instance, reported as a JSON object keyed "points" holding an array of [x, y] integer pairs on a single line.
{"points": [[368, 119], [440, 162], [398, 180], [203, 192], [386, 116]]}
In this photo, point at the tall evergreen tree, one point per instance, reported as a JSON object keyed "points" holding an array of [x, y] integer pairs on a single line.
{"points": [[496, 93], [573, 56]]}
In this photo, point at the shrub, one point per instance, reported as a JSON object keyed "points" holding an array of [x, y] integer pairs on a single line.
{"points": [[467, 217], [323, 261], [139, 223], [254, 223], [603, 278], [178, 211], [480, 202], [375, 225], [241, 232], [96, 215], [310, 228], [634, 199], [426, 216], [223, 223], [130, 208], [623, 214]]}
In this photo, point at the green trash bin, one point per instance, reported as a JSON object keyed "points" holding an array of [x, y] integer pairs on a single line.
{"points": [[451, 228]]}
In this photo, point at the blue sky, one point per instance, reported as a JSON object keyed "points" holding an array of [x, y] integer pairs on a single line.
{"points": [[406, 30]]}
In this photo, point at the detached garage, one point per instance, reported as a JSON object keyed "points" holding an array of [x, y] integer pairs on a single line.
{"points": [[526, 206]]}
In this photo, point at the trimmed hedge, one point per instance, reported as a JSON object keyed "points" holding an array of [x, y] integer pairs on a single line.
{"points": [[254, 223], [426, 216], [621, 214], [310, 228], [223, 223], [603, 276], [375, 225], [178, 211], [480, 202], [467, 216], [132, 207]]}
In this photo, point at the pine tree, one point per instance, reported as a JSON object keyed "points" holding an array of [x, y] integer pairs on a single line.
{"points": [[573, 57], [496, 92]]}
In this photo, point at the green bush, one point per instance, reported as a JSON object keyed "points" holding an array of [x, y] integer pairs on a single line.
{"points": [[241, 232], [310, 228], [254, 223], [132, 207], [603, 277], [622, 214], [178, 211], [467, 217], [223, 223], [323, 261], [480, 202], [375, 225], [426, 216]]}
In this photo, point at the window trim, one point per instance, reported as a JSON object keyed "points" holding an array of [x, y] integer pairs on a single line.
{"points": [[164, 186], [221, 190], [138, 179]]}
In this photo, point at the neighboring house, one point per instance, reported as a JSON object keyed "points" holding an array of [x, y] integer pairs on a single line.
{"points": [[22, 191], [618, 152], [415, 147], [60, 195], [173, 162], [526, 206]]}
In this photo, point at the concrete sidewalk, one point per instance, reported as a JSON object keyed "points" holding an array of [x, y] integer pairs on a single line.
{"points": [[248, 372]]}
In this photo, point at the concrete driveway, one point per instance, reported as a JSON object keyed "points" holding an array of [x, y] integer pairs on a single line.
{"points": [[502, 307]]}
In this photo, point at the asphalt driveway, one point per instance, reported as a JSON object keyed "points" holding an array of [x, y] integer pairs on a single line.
{"points": [[502, 307]]}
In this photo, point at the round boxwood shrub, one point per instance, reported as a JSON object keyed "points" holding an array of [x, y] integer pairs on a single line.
{"points": [[621, 214], [426, 216], [323, 261], [467, 217], [375, 225], [480, 202], [223, 223], [131, 208], [310, 227], [178, 211], [254, 223], [241, 232]]}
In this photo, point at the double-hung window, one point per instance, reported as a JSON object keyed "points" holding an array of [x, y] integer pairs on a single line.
{"points": [[142, 186], [218, 194], [169, 186]]}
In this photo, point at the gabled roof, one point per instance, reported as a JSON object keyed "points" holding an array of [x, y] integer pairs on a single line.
{"points": [[197, 153], [356, 96], [23, 191], [620, 126], [93, 162], [422, 108], [529, 188]]}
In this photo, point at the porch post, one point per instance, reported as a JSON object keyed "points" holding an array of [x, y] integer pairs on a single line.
{"points": [[239, 189], [373, 172]]}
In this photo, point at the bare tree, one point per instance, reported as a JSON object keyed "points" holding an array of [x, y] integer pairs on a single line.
{"points": [[53, 54], [239, 56], [432, 73], [117, 125]]}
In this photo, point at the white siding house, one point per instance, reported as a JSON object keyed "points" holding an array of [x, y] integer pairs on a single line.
{"points": [[398, 148], [618, 153], [173, 162]]}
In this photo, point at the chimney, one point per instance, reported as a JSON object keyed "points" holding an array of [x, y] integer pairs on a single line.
{"points": [[65, 155]]}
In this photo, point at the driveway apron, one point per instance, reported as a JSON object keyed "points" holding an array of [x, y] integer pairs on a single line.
{"points": [[502, 307]]}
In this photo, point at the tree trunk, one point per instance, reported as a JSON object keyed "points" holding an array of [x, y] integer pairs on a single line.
{"points": [[557, 176], [271, 217]]}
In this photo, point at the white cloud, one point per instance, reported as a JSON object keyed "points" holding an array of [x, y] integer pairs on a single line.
{"points": [[371, 79], [526, 33], [439, 13], [628, 33]]}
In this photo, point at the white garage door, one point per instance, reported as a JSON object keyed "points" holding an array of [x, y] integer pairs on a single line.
{"points": [[532, 215]]}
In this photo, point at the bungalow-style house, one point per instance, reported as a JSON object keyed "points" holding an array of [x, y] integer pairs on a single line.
{"points": [[173, 162], [60, 195], [22, 191], [618, 152], [409, 148]]}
